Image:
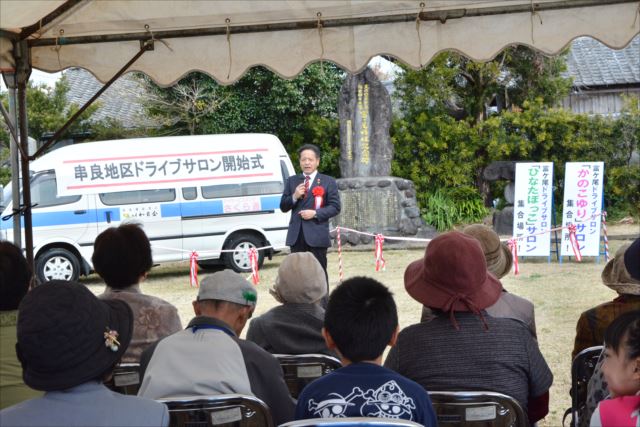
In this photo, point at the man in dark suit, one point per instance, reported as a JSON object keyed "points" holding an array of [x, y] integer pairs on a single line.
{"points": [[313, 199]]}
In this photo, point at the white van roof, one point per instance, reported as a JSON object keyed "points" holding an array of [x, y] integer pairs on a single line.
{"points": [[158, 145]]}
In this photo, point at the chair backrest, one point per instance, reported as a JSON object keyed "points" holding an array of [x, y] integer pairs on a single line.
{"points": [[301, 369], [477, 408], [582, 369], [125, 379], [351, 422], [228, 410]]}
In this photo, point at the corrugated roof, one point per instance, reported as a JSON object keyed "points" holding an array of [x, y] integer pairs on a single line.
{"points": [[122, 101], [591, 63]]}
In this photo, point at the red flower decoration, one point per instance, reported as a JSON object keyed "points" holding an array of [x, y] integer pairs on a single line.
{"points": [[318, 191]]}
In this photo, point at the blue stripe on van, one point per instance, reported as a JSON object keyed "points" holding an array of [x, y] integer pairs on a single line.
{"points": [[268, 203], [167, 210], [52, 218], [101, 214]]}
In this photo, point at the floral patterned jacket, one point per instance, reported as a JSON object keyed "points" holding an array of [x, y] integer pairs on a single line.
{"points": [[153, 319]]}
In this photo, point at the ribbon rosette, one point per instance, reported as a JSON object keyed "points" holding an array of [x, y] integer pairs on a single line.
{"points": [[253, 261], [380, 263], [574, 242], [193, 269], [318, 197]]}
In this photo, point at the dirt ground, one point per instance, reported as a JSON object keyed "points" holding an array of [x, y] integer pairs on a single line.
{"points": [[560, 292]]}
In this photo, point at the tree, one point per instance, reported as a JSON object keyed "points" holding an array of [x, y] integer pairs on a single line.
{"points": [[294, 110], [47, 111], [455, 87]]}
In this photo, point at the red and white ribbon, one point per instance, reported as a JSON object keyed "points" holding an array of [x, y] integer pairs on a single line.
{"points": [[380, 263], [574, 242], [605, 237], [317, 202], [193, 269], [513, 246], [253, 261], [340, 272]]}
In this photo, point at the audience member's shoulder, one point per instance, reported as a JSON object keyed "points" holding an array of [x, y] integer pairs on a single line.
{"points": [[255, 351]]}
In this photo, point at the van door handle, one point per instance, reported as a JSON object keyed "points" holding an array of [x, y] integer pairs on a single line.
{"points": [[82, 212], [108, 214]]}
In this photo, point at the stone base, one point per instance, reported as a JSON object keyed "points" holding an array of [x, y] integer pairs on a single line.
{"points": [[503, 221], [383, 204]]}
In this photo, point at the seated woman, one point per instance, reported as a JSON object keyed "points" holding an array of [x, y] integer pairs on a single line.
{"points": [[615, 275], [294, 327], [122, 257], [68, 343], [463, 348], [15, 279]]}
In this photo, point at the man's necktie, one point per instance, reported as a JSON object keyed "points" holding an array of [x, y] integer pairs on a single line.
{"points": [[306, 185]]}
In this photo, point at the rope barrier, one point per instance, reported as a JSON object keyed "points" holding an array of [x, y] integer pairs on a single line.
{"points": [[380, 263]]}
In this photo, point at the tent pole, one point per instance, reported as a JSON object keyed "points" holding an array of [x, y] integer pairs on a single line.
{"points": [[23, 70], [14, 155], [24, 166]]}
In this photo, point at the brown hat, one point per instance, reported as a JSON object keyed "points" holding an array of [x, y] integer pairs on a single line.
{"points": [[300, 279], [616, 276], [497, 254], [452, 276], [632, 259]]}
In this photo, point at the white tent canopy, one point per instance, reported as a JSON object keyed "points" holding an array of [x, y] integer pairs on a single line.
{"points": [[226, 38]]}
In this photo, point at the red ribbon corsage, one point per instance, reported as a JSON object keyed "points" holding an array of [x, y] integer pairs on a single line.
{"points": [[318, 195]]}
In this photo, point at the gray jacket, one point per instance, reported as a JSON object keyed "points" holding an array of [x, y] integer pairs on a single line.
{"points": [[89, 404], [290, 329], [207, 358]]}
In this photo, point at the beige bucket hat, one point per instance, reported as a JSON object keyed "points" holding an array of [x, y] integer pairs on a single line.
{"points": [[496, 253], [616, 276]]}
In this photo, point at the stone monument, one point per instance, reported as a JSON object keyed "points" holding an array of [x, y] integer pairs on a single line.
{"points": [[372, 200], [365, 117]]}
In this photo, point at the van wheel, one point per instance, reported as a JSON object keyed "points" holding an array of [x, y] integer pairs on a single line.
{"points": [[238, 260], [57, 264]]}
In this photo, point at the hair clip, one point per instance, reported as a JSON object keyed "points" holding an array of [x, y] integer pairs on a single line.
{"points": [[111, 339]]}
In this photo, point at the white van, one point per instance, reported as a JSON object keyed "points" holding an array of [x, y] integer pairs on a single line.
{"points": [[191, 193]]}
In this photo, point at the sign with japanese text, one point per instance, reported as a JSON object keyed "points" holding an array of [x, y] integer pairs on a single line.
{"points": [[582, 205], [532, 210], [178, 168]]}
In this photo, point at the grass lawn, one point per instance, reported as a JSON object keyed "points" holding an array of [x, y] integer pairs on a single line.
{"points": [[560, 292]]}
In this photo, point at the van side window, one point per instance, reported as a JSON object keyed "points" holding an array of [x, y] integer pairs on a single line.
{"points": [[239, 190], [44, 191], [140, 196], [189, 193]]}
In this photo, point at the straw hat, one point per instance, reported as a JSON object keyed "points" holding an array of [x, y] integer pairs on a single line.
{"points": [[616, 276], [496, 253]]}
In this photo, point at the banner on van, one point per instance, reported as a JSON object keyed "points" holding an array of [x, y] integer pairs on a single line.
{"points": [[153, 171]]}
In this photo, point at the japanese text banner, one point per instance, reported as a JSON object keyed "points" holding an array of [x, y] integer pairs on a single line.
{"points": [[582, 205], [532, 210], [178, 168]]}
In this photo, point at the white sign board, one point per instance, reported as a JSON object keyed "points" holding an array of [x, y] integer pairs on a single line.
{"points": [[532, 210], [582, 205], [138, 170]]}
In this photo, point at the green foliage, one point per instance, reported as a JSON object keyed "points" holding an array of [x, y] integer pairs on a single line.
{"points": [[444, 209], [444, 136], [47, 111], [300, 110]]}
